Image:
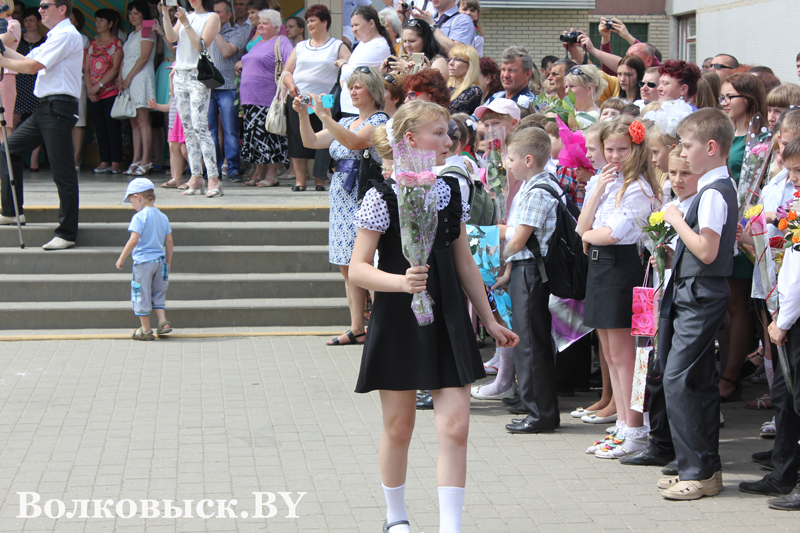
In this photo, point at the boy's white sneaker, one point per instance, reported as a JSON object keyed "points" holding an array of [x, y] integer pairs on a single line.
{"points": [[7, 221], [58, 244]]}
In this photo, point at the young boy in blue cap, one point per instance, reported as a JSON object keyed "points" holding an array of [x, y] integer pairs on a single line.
{"points": [[150, 237]]}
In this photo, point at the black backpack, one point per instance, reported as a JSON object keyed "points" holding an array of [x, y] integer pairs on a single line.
{"points": [[565, 266]]}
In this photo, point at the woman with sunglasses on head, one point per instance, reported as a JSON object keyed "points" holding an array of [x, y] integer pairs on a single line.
{"points": [[742, 97], [464, 82], [417, 38], [346, 140], [310, 69], [394, 92], [648, 87], [587, 84]]}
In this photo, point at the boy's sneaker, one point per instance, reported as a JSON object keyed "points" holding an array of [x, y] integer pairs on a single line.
{"points": [[58, 244]]}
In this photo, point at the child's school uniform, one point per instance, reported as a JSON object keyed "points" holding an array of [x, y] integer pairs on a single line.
{"points": [[534, 358], [398, 353], [660, 444], [616, 269], [150, 269], [692, 310]]}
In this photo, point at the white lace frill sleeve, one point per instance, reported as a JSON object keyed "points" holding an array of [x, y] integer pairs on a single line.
{"points": [[373, 213]]}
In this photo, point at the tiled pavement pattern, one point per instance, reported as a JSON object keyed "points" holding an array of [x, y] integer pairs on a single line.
{"points": [[220, 418]]}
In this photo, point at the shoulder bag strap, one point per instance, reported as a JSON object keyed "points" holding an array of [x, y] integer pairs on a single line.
{"points": [[278, 59]]}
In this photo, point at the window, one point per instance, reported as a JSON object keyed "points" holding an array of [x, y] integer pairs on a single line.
{"points": [[618, 45], [687, 38]]}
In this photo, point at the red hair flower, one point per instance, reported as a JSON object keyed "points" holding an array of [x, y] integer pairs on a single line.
{"points": [[637, 131]]}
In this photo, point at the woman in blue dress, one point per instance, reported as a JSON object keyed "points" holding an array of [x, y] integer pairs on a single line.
{"points": [[346, 139]]}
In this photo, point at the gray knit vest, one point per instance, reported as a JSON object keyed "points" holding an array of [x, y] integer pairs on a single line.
{"points": [[688, 264]]}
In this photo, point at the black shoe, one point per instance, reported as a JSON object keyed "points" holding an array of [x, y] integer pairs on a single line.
{"points": [[671, 469], [387, 526], [766, 486], [518, 409], [760, 456], [645, 458], [527, 427], [424, 403], [512, 401], [790, 502], [766, 464]]}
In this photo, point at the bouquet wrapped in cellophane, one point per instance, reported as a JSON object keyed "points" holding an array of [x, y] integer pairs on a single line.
{"points": [[756, 156], [418, 214], [660, 234], [496, 177], [484, 243]]}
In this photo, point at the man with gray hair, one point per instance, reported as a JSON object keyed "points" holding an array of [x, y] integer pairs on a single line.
{"points": [[515, 73]]}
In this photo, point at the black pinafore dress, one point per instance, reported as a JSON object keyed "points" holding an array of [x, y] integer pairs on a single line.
{"points": [[398, 353]]}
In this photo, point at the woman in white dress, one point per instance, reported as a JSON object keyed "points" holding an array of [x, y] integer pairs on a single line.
{"points": [[138, 79]]}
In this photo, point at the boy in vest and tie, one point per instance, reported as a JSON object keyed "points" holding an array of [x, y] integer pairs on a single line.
{"points": [[694, 305]]}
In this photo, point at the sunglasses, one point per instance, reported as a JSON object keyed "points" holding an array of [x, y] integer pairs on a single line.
{"points": [[363, 70], [46, 6], [457, 60], [650, 84], [412, 23], [390, 79], [720, 66], [577, 71], [725, 98], [413, 95]]}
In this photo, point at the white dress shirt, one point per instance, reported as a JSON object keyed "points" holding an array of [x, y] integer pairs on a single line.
{"points": [[713, 211], [62, 57], [625, 218], [788, 295]]}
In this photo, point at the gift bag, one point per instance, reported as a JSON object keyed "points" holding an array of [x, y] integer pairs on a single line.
{"points": [[644, 322], [640, 377]]}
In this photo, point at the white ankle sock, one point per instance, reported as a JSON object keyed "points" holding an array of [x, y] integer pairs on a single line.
{"points": [[451, 500], [505, 373], [769, 371], [396, 507]]}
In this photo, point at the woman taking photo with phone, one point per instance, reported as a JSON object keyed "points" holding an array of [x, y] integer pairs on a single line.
{"points": [[192, 97], [417, 38]]}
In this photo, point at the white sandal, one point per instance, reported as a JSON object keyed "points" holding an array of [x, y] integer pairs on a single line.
{"points": [[768, 429]]}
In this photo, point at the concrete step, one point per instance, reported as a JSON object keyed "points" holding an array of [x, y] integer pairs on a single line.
{"points": [[188, 213], [116, 287], [187, 259], [181, 313], [112, 234]]}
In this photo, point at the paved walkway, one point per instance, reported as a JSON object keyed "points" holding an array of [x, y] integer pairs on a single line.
{"points": [[107, 189], [222, 418]]}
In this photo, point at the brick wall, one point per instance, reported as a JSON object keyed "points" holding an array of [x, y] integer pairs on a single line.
{"points": [[538, 30]]}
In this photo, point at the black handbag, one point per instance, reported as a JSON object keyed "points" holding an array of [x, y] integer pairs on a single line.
{"points": [[207, 73], [369, 170], [336, 92]]}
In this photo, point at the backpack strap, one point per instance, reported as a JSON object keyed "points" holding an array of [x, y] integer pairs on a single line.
{"points": [[533, 242]]}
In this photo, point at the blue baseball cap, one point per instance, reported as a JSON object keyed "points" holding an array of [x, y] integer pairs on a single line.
{"points": [[136, 186]]}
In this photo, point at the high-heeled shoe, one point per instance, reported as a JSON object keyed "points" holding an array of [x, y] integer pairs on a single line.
{"points": [[733, 396], [143, 170], [191, 191], [217, 191], [132, 169]]}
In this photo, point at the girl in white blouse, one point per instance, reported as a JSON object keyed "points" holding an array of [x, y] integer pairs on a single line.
{"points": [[618, 204]]}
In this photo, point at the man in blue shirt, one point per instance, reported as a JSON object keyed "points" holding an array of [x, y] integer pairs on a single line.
{"points": [[515, 73], [449, 26]]}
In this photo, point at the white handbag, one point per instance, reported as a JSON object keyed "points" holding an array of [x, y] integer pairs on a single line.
{"points": [[276, 118], [123, 107]]}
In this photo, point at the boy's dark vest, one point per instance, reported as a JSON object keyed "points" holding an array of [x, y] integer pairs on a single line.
{"points": [[687, 264]]}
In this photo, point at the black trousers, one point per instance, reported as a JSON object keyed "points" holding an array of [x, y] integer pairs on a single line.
{"points": [[534, 356], [51, 124], [107, 130], [787, 410]]}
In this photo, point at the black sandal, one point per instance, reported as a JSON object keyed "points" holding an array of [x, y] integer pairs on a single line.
{"points": [[350, 335], [735, 395], [320, 188], [298, 188], [387, 526]]}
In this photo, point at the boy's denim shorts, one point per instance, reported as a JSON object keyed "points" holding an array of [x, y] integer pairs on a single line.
{"points": [[149, 286]]}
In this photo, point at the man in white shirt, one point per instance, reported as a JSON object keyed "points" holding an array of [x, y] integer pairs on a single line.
{"points": [[57, 64]]}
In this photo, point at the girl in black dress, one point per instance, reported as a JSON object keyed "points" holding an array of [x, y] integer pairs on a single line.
{"points": [[399, 355]]}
